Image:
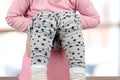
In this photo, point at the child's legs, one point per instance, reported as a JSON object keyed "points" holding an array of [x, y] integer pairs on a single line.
{"points": [[41, 33], [73, 44]]}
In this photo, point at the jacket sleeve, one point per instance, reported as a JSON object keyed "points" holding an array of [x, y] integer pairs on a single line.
{"points": [[88, 15], [15, 16]]}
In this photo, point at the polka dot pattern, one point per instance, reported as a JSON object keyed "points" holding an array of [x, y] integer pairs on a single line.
{"points": [[57, 30]]}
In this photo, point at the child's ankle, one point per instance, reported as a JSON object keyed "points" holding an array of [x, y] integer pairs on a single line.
{"points": [[77, 73], [39, 72]]}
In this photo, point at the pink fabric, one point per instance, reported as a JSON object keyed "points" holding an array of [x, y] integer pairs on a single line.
{"points": [[58, 68], [21, 11], [20, 14]]}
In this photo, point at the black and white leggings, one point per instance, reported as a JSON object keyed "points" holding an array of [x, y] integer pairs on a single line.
{"points": [[61, 30]]}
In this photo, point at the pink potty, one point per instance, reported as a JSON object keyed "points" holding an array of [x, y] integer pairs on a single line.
{"points": [[57, 67]]}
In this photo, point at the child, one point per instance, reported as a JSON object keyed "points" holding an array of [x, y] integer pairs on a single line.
{"points": [[45, 18]]}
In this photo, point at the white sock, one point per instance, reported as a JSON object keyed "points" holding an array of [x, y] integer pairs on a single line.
{"points": [[77, 73], [39, 72]]}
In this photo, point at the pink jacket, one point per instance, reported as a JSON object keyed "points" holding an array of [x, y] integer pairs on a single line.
{"points": [[21, 11], [20, 14]]}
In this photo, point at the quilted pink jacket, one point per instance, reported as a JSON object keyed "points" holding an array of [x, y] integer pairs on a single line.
{"points": [[20, 14]]}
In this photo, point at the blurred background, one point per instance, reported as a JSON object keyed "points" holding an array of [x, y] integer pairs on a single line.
{"points": [[102, 43]]}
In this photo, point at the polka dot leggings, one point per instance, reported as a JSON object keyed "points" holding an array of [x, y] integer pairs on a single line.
{"points": [[51, 30]]}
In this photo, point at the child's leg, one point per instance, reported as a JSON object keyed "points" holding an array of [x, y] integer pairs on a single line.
{"points": [[72, 42], [41, 33]]}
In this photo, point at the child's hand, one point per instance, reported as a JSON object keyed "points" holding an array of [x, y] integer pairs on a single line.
{"points": [[28, 47]]}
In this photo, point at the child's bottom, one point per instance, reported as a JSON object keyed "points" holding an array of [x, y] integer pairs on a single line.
{"points": [[42, 32]]}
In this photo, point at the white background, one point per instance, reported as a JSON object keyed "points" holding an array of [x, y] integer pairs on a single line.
{"points": [[12, 45]]}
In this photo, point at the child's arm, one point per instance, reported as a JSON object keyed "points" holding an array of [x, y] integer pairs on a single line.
{"points": [[15, 17], [88, 14]]}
